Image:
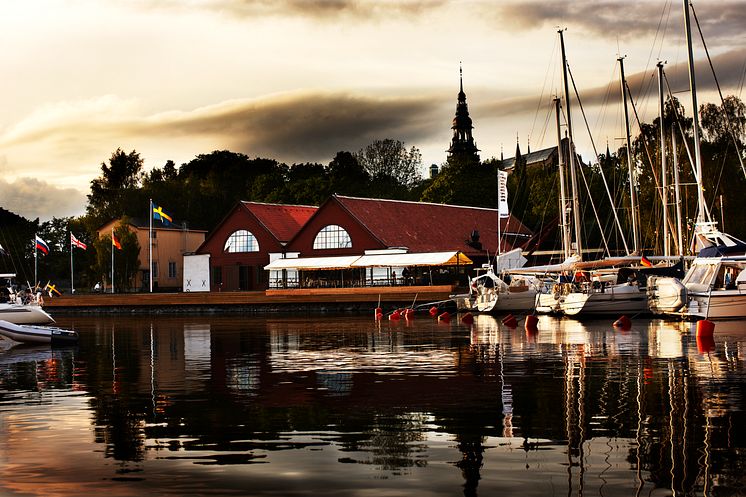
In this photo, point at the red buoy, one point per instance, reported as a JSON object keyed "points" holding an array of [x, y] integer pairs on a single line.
{"points": [[377, 312], [394, 316], [408, 313], [705, 328], [623, 323], [467, 318], [433, 311], [379, 316], [445, 317], [531, 322]]}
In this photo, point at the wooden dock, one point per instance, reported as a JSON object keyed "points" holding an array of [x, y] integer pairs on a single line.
{"points": [[305, 299]]}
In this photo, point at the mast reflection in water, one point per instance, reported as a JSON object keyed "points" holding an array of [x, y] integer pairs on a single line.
{"points": [[346, 406]]}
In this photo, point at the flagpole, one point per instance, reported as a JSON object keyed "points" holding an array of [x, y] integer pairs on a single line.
{"points": [[35, 259], [150, 245], [72, 275], [112, 259]]}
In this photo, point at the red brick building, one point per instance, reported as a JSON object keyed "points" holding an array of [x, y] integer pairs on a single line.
{"points": [[345, 228], [334, 236]]}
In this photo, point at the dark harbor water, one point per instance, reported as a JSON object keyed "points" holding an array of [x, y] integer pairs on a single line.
{"points": [[344, 406]]}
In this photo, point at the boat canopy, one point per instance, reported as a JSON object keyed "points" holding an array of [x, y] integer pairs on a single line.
{"points": [[379, 260]]}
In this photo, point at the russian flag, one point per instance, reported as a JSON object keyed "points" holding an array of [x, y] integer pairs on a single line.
{"points": [[42, 246]]}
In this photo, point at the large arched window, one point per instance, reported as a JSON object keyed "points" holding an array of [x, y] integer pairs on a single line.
{"points": [[241, 241], [332, 237]]}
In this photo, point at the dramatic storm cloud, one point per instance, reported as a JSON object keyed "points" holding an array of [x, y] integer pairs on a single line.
{"points": [[720, 21]]}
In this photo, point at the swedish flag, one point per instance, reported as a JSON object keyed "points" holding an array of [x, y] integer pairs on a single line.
{"points": [[161, 216]]}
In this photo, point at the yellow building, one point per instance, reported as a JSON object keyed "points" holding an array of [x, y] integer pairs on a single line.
{"points": [[169, 246]]}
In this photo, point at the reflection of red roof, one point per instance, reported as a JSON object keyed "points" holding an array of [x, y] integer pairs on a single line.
{"points": [[283, 221], [424, 227]]}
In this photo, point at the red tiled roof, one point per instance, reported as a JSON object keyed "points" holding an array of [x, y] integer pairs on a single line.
{"points": [[424, 227], [283, 221]]}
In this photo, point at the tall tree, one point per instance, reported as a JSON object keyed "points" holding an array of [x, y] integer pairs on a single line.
{"points": [[347, 176], [116, 190], [389, 158]]}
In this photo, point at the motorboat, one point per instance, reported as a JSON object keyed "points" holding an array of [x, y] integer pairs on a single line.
{"points": [[26, 333], [21, 306], [714, 287], [24, 313]]}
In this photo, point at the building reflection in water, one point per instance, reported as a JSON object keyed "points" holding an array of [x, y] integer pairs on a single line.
{"points": [[582, 403]]}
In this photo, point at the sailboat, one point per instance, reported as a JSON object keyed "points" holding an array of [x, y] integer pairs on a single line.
{"points": [[592, 287], [504, 293], [714, 287], [494, 290]]}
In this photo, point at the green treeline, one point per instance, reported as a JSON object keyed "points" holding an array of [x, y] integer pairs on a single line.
{"points": [[200, 192]]}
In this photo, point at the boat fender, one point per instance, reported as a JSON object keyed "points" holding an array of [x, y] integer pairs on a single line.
{"points": [[467, 318], [445, 317], [433, 311], [395, 316]]}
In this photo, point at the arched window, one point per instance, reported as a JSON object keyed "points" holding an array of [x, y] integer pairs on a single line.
{"points": [[332, 237], [241, 241]]}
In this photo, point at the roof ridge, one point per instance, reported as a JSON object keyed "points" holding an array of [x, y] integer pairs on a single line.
{"points": [[271, 204], [415, 202]]}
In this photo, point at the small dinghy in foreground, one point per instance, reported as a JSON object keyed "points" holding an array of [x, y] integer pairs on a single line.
{"points": [[26, 333]]}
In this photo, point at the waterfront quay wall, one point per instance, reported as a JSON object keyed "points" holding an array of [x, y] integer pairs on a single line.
{"points": [[306, 300]]}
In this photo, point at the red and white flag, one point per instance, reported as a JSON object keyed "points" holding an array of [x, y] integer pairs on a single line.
{"points": [[77, 243]]}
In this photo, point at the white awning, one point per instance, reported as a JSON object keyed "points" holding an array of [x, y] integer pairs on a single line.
{"points": [[381, 260], [343, 262], [422, 259]]}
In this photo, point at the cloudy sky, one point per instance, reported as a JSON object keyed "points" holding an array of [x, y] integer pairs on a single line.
{"points": [[299, 80]]}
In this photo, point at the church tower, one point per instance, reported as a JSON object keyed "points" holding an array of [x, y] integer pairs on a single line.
{"points": [[462, 143]]}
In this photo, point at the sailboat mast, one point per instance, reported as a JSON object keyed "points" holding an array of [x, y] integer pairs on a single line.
{"points": [[664, 172], [563, 208], [695, 117], [571, 154], [630, 166], [677, 193]]}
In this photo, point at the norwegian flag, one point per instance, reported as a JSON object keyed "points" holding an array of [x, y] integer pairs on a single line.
{"points": [[77, 243]]}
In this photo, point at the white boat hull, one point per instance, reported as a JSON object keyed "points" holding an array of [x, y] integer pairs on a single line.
{"points": [[25, 333], [615, 300], [24, 314], [506, 302], [548, 303], [719, 304]]}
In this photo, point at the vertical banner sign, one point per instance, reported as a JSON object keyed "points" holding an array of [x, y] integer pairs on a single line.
{"points": [[502, 194]]}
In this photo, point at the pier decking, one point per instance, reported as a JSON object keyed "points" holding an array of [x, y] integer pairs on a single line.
{"points": [[304, 299]]}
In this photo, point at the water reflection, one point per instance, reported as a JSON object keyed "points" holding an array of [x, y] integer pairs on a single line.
{"points": [[337, 404]]}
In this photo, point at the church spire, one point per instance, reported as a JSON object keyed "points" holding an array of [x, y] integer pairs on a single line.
{"points": [[462, 143]]}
